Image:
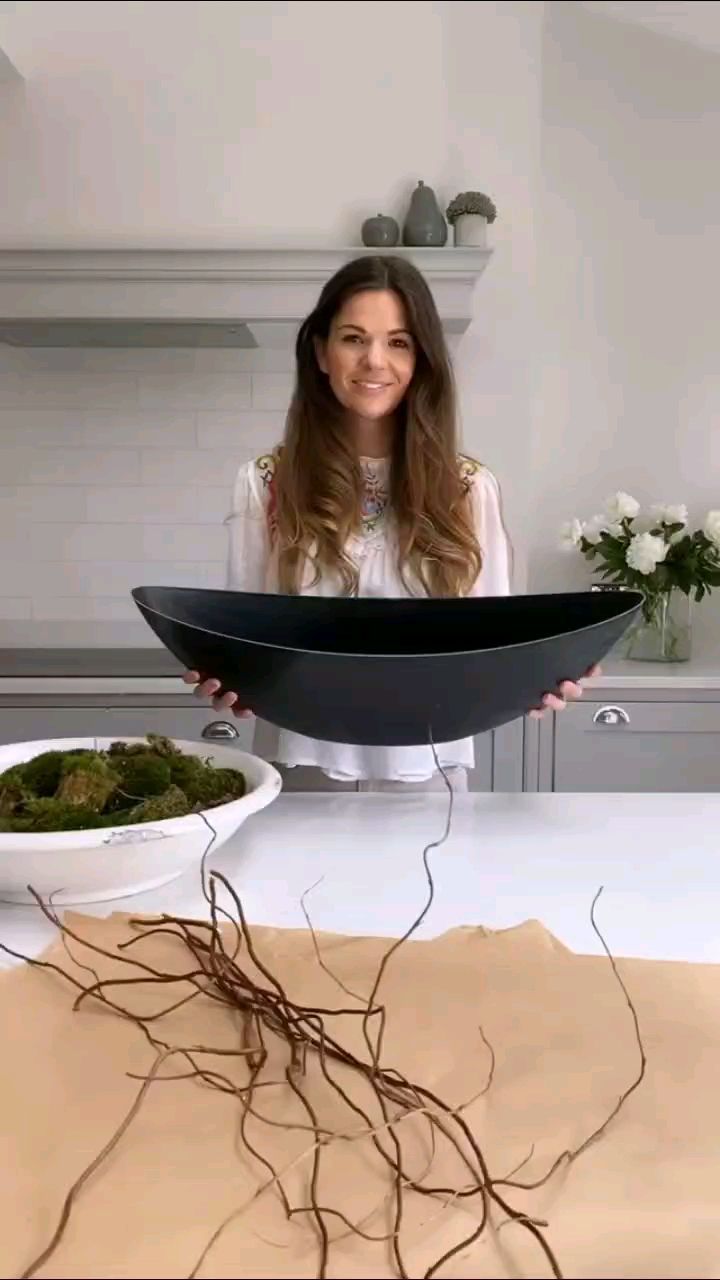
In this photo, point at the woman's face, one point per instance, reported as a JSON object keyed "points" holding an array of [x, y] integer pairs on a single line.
{"points": [[369, 356]]}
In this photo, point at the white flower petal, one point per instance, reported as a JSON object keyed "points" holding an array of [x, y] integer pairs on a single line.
{"points": [[664, 513], [622, 506], [645, 552], [711, 527], [572, 532], [594, 527]]}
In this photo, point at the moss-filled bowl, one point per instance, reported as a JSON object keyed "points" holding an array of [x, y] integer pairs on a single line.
{"points": [[98, 864]]}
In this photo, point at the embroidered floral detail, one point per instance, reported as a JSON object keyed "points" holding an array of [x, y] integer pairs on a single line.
{"points": [[469, 468], [376, 494], [267, 470], [266, 467], [375, 498]]}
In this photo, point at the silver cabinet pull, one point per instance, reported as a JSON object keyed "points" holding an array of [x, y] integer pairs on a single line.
{"points": [[611, 715], [220, 731]]}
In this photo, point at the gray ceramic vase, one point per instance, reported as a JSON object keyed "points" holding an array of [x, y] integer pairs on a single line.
{"points": [[380, 232], [424, 224]]}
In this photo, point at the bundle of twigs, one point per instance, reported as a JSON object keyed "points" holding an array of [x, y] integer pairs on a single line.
{"points": [[232, 975]]}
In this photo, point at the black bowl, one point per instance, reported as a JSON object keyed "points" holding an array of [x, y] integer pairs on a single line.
{"points": [[387, 672]]}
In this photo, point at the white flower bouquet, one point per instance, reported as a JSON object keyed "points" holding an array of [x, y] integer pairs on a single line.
{"points": [[654, 554]]}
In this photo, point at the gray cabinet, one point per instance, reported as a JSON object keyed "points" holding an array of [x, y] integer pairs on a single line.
{"points": [[498, 755], [638, 740], [613, 740], [87, 717], [499, 759]]}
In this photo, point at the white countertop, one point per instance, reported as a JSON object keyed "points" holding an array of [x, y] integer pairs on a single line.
{"points": [[509, 858], [620, 675], [701, 672]]}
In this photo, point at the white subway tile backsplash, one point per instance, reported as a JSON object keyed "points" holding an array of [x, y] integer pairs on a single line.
{"points": [[146, 429], [15, 578], [22, 504], [202, 543], [69, 389], [41, 428], [86, 543], [103, 578], [271, 390], [85, 609], [15, 608], [194, 389], [156, 504], [214, 502], [117, 469], [189, 466], [258, 430], [69, 466]]}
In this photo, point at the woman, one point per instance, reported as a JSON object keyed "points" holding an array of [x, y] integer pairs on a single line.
{"points": [[368, 495]]}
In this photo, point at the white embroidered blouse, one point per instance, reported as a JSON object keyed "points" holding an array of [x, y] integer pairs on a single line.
{"points": [[251, 567]]}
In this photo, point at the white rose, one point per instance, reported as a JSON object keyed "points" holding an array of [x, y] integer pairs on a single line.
{"points": [[572, 532], [663, 514], [622, 507], [711, 527], [645, 552]]}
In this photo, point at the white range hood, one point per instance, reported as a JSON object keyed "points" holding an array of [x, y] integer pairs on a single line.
{"points": [[195, 298]]}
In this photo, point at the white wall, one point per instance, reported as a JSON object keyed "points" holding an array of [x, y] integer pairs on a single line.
{"points": [[225, 125], [216, 123], [592, 361], [628, 238], [493, 75]]}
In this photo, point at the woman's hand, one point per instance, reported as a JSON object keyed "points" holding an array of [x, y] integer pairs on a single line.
{"points": [[568, 689], [207, 687]]}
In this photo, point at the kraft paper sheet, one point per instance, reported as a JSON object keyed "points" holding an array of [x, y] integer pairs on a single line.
{"points": [[643, 1201]]}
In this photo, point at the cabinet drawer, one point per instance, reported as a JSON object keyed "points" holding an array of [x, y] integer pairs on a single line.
{"points": [[621, 745], [23, 724]]}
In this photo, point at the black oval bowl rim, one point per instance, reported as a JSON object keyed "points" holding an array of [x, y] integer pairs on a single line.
{"points": [[334, 653]]}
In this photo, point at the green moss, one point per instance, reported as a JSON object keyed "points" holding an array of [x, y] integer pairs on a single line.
{"points": [[205, 785], [173, 803], [42, 774], [185, 770], [142, 776], [162, 746], [12, 775], [218, 786], [83, 789], [76, 760], [12, 790], [51, 814], [88, 782], [123, 749]]}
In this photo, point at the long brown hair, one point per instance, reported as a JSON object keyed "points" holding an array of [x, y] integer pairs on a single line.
{"points": [[319, 480]]}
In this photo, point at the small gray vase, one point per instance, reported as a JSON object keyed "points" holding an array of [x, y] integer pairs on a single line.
{"points": [[424, 224]]}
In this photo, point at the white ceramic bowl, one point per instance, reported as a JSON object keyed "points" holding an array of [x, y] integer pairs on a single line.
{"points": [[96, 865]]}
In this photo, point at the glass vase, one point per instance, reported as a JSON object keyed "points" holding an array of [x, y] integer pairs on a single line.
{"points": [[666, 636]]}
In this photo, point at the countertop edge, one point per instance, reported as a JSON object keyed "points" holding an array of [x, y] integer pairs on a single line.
{"points": [[174, 685], [94, 684]]}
